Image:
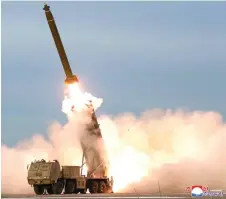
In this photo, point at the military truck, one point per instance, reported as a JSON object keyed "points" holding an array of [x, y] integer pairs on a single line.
{"points": [[51, 178], [48, 176]]}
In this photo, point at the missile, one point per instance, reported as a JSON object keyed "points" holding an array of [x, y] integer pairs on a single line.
{"points": [[70, 78]]}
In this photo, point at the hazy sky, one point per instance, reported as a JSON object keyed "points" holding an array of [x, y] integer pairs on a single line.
{"points": [[136, 55]]}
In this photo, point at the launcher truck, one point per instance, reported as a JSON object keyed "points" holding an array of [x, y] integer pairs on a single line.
{"points": [[50, 177]]}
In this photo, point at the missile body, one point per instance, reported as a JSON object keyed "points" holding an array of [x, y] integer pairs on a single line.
{"points": [[70, 78]]}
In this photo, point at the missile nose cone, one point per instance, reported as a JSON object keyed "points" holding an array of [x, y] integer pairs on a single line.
{"points": [[46, 7]]}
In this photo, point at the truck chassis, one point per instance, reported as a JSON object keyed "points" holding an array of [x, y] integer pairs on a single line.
{"points": [[75, 186]]}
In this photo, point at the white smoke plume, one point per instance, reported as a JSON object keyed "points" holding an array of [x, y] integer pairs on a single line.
{"points": [[172, 149]]}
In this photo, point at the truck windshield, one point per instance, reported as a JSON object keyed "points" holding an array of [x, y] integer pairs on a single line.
{"points": [[34, 167]]}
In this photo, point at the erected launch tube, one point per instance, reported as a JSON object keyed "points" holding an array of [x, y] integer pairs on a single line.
{"points": [[70, 78], [94, 151]]}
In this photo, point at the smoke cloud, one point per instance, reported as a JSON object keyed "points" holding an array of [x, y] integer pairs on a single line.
{"points": [[159, 148]]}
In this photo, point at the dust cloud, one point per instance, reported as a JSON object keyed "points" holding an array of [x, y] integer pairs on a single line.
{"points": [[160, 150]]}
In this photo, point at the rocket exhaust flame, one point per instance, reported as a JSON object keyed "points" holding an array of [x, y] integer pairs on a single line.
{"points": [[77, 100]]}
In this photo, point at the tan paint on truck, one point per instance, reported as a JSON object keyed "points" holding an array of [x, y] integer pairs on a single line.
{"points": [[70, 172], [42, 172]]}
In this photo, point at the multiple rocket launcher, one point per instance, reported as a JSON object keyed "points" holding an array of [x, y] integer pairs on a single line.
{"points": [[96, 162], [50, 176]]}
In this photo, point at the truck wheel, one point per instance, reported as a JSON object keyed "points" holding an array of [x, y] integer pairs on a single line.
{"points": [[50, 190], [102, 187], [83, 191], [94, 187], [58, 187], [38, 189], [70, 187], [109, 190], [76, 191]]}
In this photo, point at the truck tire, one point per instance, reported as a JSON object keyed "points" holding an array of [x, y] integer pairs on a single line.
{"points": [[93, 187], [76, 191], [50, 190], [83, 191], [58, 187], [102, 187], [39, 189], [69, 187], [109, 190]]}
